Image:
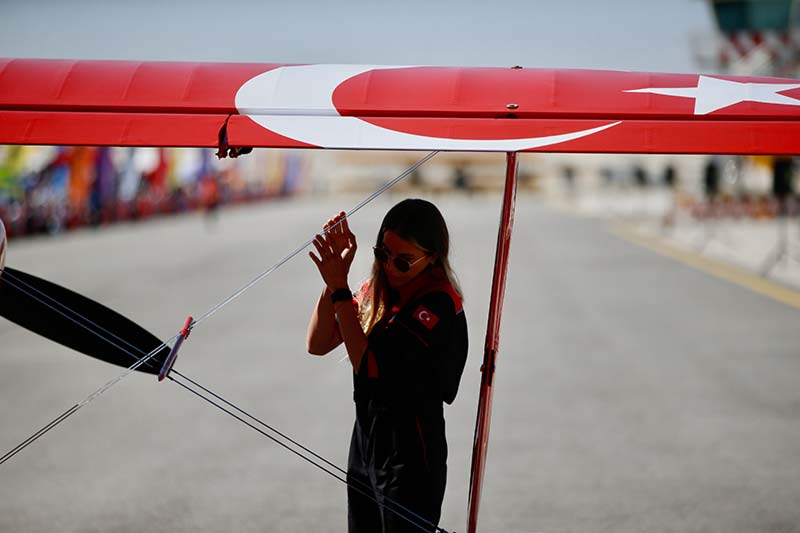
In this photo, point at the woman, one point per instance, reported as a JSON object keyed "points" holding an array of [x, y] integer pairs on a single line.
{"points": [[406, 337]]}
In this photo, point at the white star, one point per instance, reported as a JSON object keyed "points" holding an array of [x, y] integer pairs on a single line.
{"points": [[712, 94]]}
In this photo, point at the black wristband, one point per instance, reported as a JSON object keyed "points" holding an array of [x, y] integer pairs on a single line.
{"points": [[341, 295]]}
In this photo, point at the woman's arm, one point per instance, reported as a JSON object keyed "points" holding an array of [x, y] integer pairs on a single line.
{"points": [[350, 330], [336, 247], [323, 332]]}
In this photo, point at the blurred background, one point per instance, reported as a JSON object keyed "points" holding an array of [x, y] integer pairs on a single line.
{"points": [[636, 391]]}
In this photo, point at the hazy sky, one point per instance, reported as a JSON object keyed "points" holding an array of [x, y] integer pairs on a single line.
{"points": [[648, 35]]}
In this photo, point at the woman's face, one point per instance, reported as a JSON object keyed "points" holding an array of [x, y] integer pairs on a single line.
{"points": [[397, 247]]}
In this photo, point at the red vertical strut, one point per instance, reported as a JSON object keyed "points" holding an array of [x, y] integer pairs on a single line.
{"points": [[492, 341]]}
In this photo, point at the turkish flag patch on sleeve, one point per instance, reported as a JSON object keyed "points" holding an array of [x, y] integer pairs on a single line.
{"points": [[426, 316]]}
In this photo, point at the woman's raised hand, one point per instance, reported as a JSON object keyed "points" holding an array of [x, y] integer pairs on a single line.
{"points": [[342, 237], [336, 250]]}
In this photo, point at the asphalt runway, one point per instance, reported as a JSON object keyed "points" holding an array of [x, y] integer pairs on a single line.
{"points": [[633, 394]]}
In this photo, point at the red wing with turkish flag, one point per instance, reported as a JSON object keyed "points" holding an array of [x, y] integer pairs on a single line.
{"points": [[126, 103]]}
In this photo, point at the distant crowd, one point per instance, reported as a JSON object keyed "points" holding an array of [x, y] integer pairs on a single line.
{"points": [[728, 186], [53, 189], [725, 193]]}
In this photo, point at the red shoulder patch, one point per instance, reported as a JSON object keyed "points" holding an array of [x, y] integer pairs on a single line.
{"points": [[426, 317], [445, 287]]}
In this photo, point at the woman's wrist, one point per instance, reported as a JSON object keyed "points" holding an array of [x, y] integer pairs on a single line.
{"points": [[341, 294]]}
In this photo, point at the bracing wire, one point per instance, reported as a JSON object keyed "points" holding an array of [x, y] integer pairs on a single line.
{"points": [[90, 398], [205, 316], [390, 505], [308, 243], [292, 441], [18, 283]]}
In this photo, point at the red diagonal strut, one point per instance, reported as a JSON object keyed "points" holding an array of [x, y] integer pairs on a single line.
{"points": [[492, 340]]}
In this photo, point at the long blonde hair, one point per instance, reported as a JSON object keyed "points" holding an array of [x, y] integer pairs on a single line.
{"points": [[419, 222]]}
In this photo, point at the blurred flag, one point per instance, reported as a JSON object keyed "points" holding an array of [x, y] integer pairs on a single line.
{"points": [[104, 191], [81, 176], [130, 178]]}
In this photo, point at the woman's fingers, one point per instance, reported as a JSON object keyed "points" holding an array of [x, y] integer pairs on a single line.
{"points": [[314, 258], [327, 245], [333, 243], [334, 226], [330, 227], [321, 246], [348, 235], [337, 228]]}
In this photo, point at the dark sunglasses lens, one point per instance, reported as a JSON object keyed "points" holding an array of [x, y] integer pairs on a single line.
{"points": [[401, 264], [381, 255]]}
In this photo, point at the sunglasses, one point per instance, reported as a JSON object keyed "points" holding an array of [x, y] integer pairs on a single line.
{"points": [[401, 264]]}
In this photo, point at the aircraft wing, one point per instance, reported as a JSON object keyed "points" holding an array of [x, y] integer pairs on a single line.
{"points": [[128, 103]]}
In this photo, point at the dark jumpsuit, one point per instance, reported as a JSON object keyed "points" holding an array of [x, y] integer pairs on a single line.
{"points": [[398, 452]]}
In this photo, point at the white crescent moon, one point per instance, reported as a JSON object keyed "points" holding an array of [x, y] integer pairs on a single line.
{"points": [[297, 102]]}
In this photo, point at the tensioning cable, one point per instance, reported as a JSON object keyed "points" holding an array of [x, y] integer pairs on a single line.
{"points": [[193, 323], [362, 488], [94, 329], [88, 324], [308, 243], [90, 398]]}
